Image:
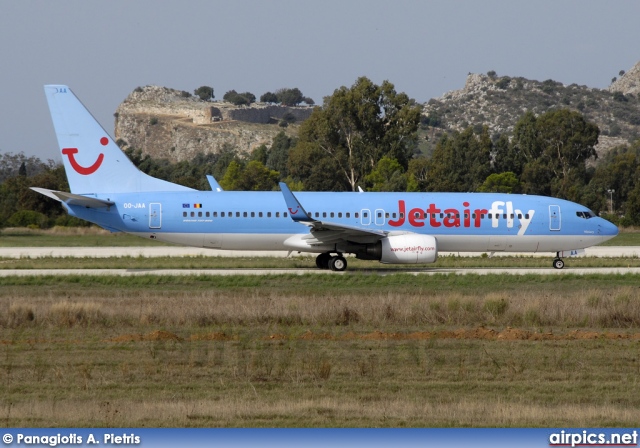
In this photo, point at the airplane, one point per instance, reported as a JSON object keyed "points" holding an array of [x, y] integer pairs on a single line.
{"points": [[107, 189]]}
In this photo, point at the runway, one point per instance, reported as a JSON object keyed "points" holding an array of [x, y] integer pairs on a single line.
{"points": [[173, 251], [179, 251], [313, 271]]}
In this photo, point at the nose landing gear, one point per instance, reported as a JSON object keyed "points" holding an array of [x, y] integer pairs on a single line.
{"points": [[558, 263]]}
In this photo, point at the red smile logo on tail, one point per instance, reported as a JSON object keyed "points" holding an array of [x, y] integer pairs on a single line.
{"points": [[85, 171]]}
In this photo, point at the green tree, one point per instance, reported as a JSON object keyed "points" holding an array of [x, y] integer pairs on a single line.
{"points": [[418, 174], [568, 142], [358, 126], [239, 99], [205, 93], [309, 164], [501, 183], [388, 175], [460, 162], [269, 97], [555, 148], [259, 154], [257, 177], [618, 171], [289, 97], [632, 205], [232, 177], [252, 177], [278, 154], [507, 157]]}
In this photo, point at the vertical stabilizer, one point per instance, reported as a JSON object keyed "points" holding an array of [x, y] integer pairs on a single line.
{"points": [[92, 160]]}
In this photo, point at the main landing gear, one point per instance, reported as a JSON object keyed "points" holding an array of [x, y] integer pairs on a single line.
{"points": [[328, 261], [558, 263]]}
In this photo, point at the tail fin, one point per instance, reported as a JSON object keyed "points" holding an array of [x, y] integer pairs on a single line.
{"points": [[92, 160]]}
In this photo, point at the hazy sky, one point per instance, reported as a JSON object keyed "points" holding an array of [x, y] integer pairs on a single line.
{"points": [[105, 49]]}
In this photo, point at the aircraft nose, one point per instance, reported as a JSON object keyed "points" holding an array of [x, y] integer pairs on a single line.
{"points": [[608, 229]]}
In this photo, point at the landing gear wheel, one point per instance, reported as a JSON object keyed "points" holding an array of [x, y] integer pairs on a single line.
{"points": [[322, 260], [338, 263], [558, 263]]}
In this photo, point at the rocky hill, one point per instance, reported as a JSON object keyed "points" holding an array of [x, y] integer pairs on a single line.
{"points": [[499, 101], [168, 123]]}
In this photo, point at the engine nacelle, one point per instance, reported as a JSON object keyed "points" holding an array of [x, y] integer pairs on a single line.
{"points": [[408, 248]]}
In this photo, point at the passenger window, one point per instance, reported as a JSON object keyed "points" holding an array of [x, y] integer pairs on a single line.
{"points": [[324, 214], [199, 214], [339, 214], [365, 215], [193, 214], [253, 214], [356, 215], [277, 214], [184, 214], [259, 214], [332, 214], [284, 214], [402, 215], [386, 215], [317, 215], [379, 214], [348, 215]]}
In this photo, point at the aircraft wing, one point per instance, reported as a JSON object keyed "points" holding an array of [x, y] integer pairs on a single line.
{"points": [[73, 199], [324, 232]]}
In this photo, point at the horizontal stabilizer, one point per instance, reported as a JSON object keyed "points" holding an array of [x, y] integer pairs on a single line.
{"points": [[73, 199]]}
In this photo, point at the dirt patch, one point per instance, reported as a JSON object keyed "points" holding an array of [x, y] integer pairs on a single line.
{"points": [[158, 335], [508, 334], [216, 336]]}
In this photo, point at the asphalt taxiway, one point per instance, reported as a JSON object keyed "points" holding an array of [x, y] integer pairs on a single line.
{"points": [[380, 272]]}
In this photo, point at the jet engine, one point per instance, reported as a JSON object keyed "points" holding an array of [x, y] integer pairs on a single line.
{"points": [[409, 248]]}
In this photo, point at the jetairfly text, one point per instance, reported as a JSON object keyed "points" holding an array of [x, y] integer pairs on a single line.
{"points": [[452, 217]]}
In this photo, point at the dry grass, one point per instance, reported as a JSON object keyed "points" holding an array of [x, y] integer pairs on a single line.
{"points": [[334, 411], [604, 307]]}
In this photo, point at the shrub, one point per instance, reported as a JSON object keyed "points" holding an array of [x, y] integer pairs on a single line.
{"points": [[27, 218], [205, 93]]}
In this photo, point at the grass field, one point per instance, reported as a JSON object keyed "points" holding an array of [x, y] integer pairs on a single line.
{"points": [[355, 350], [305, 351]]}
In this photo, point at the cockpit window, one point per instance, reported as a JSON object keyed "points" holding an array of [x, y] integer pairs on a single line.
{"points": [[588, 214]]}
